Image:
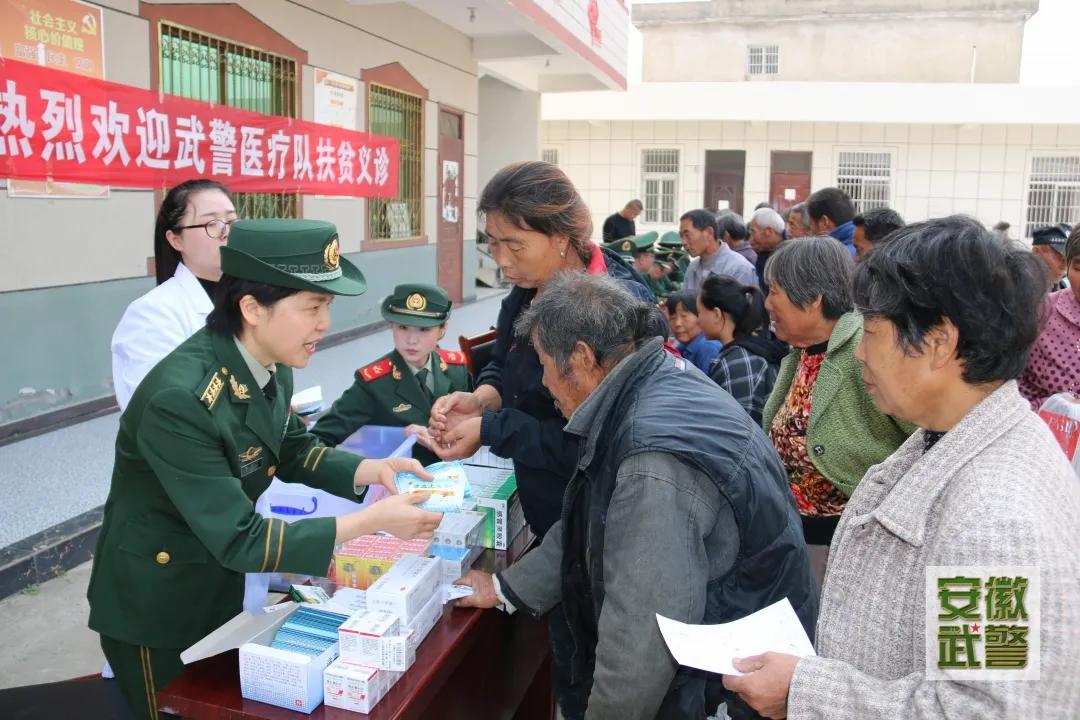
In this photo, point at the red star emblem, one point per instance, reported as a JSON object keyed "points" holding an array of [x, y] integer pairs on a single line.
{"points": [[974, 627]]}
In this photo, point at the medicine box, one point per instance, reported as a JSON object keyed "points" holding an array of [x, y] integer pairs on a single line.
{"points": [[456, 561], [460, 529], [363, 560], [406, 588], [495, 494]]}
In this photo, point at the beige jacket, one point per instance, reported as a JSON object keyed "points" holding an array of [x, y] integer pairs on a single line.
{"points": [[997, 490]]}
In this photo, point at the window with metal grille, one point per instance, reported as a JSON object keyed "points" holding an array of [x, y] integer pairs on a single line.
{"points": [[659, 184], [866, 177], [204, 67], [763, 60], [550, 155], [399, 114], [1053, 191]]}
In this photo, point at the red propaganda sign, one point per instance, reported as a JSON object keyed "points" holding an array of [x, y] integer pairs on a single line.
{"points": [[56, 125]]}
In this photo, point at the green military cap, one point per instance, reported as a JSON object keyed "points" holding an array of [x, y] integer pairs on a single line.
{"points": [[636, 243], [300, 254], [417, 305], [670, 239]]}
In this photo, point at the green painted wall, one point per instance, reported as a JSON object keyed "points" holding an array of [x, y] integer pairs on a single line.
{"points": [[57, 339]]}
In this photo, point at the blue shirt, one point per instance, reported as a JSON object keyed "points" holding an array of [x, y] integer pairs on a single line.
{"points": [[700, 351], [846, 235]]}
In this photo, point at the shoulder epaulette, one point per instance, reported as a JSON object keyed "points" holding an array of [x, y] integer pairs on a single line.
{"points": [[451, 357], [210, 389], [376, 370]]}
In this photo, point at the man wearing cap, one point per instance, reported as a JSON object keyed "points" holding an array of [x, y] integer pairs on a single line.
{"points": [[673, 244], [202, 437], [1048, 242], [399, 388]]}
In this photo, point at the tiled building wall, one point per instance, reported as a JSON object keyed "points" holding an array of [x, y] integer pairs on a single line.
{"points": [[980, 170]]}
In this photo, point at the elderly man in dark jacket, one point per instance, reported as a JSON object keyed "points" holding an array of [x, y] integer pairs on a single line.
{"points": [[678, 505]]}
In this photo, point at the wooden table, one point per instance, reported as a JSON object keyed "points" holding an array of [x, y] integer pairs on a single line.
{"points": [[475, 664]]}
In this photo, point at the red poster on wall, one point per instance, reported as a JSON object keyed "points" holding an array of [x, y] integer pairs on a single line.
{"points": [[60, 126]]}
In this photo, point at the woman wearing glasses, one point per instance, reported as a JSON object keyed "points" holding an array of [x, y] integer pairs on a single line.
{"points": [[192, 224]]}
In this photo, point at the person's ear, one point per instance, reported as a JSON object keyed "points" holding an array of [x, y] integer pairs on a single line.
{"points": [[251, 311], [940, 344], [583, 358]]}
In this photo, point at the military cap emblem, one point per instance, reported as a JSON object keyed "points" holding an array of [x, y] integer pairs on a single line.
{"points": [[416, 301], [627, 245], [332, 254]]}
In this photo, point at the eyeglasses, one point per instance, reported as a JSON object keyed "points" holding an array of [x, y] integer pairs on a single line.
{"points": [[215, 228]]}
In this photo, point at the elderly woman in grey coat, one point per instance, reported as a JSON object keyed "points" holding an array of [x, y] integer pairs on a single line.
{"points": [[924, 613]]}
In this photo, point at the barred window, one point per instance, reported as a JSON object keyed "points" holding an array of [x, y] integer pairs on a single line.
{"points": [[763, 60], [866, 177], [399, 114], [1053, 192], [659, 184], [550, 155], [203, 67]]}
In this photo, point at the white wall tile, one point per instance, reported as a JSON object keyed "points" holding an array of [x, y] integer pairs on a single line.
{"points": [[643, 130], [895, 133], [472, 140], [992, 158], [558, 130], [431, 124], [601, 200], [919, 133], [1044, 135], [915, 208], [1069, 136], [819, 177], [990, 184], [577, 152], [622, 153], [943, 157], [757, 153], [600, 153], [757, 180], [431, 161], [988, 211], [965, 206], [995, 134], [941, 184], [779, 131], [918, 183], [823, 154], [1015, 158], [825, 132], [622, 130], [968, 157], [599, 177], [939, 207], [599, 130], [850, 133], [966, 185], [945, 134], [1011, 213], [687, 130], [624, 179], [579, 130], [873, 133], [665, 130], [802, 132], [710, 129], [1012, 187], [969, 134], [578, 174], [757, 130], [1019, 135], [431, 219], [919, 156], [734, 130]]}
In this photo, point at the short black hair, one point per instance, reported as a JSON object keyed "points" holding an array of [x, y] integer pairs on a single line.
{"points": [[701, 219], [226, 318], [955, 269], [686, 298], [731, 223], [878, 223], [833, 202]]}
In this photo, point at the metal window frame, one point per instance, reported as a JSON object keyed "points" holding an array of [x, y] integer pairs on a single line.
{"points": [[277, 204], [376, 206], [764, 62], [861, 203], [654, 215], [1050, 187], [544, 155]]}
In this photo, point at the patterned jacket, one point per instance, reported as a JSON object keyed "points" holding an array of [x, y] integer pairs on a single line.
{"points": [[1054, 365], [995, 490]]}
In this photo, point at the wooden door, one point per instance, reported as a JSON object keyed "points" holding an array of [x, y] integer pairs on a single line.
{"points": [[450, 201], [789, 179], [725, 172]]}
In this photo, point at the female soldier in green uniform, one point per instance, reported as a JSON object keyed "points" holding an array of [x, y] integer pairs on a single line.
{"points": [[399, 388], [203, 435]]}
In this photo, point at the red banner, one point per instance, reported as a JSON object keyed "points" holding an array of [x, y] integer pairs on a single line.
{"points": [[61, 126]]}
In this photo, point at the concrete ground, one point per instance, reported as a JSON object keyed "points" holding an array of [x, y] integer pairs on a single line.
{"points": [[53, 477]]}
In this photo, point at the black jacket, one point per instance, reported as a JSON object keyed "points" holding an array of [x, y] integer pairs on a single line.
{"points": [[529, 430]]}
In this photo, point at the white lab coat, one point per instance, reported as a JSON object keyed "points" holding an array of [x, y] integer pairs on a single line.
{"points": [[153, 326]]}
